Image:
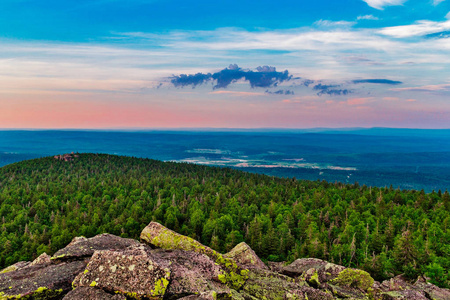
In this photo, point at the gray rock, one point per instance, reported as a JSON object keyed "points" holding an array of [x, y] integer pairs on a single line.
{"points": [[245, 257], [82, 247], [314, 270], [41, 281], [130, 272], [191, 273], [43, 259]]}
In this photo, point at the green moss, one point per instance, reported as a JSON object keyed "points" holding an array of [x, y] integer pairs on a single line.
{"points": [[160, 287], [354, 278], [314, 280], [57, 257], [41, 293]]}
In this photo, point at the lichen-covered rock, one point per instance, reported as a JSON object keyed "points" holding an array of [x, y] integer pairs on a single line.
{"points": [[245, 257], [397, 283], [191, 273], [41, 281], [313, 270], [130, 272], [403, 295], [264, 284], [431, 291], [211, 295], [309, 294], [276, 267], [43, 259], [16, 266], [82, 247], [91, 293], [159, 236]]}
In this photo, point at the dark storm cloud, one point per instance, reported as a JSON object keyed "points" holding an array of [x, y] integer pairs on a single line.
{"points": [[264, 77], [332, 90], [377, 81]]}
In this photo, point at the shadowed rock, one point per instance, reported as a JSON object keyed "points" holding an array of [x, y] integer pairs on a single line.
{"points": [[159, 236], [245, 257], [83, 247], [91, 293], [41, 281], [130, 272], [264, 284]]}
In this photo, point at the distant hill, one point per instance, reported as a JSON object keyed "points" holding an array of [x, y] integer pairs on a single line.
{"points": [[46, 202]]}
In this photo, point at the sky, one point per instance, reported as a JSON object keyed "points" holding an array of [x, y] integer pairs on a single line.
{"points": [[224, 64]]}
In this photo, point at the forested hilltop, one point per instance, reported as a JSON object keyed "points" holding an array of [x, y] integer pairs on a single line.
{"points": [[46, 202]]}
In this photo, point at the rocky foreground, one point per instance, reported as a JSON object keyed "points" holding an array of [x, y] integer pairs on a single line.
{"points": [[167, 265]]}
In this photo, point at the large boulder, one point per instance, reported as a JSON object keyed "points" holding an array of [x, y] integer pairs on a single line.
{"points": [[131, 272], [159, 236], [81, 247], [191, 273], [40, 281], [245, 257]]}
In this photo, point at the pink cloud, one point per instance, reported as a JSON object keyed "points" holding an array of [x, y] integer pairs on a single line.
{"points": [[358, 101], [425, 88]]}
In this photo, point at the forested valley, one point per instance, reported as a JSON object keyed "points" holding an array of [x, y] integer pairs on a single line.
{"points": [[46, 202]]}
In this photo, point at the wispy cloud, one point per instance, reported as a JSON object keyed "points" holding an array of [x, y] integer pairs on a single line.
{"points": [[419, 28], [380, 4], [425, 88], [368, 17]]}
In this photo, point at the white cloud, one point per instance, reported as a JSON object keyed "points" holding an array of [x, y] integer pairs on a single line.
{"points": [[380, 4], [448, 15], [368, 17], [419, 28]]}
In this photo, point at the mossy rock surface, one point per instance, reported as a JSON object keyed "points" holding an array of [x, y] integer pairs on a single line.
{"points": [[264, 284]]}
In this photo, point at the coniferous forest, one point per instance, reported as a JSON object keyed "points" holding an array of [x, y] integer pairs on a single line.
{"points": [[46, 202]]}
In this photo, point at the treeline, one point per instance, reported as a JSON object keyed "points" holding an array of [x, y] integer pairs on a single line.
{"points": [[44, 203]]}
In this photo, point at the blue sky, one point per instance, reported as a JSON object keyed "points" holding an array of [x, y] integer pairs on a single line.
{"points": [[112, 63]]}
